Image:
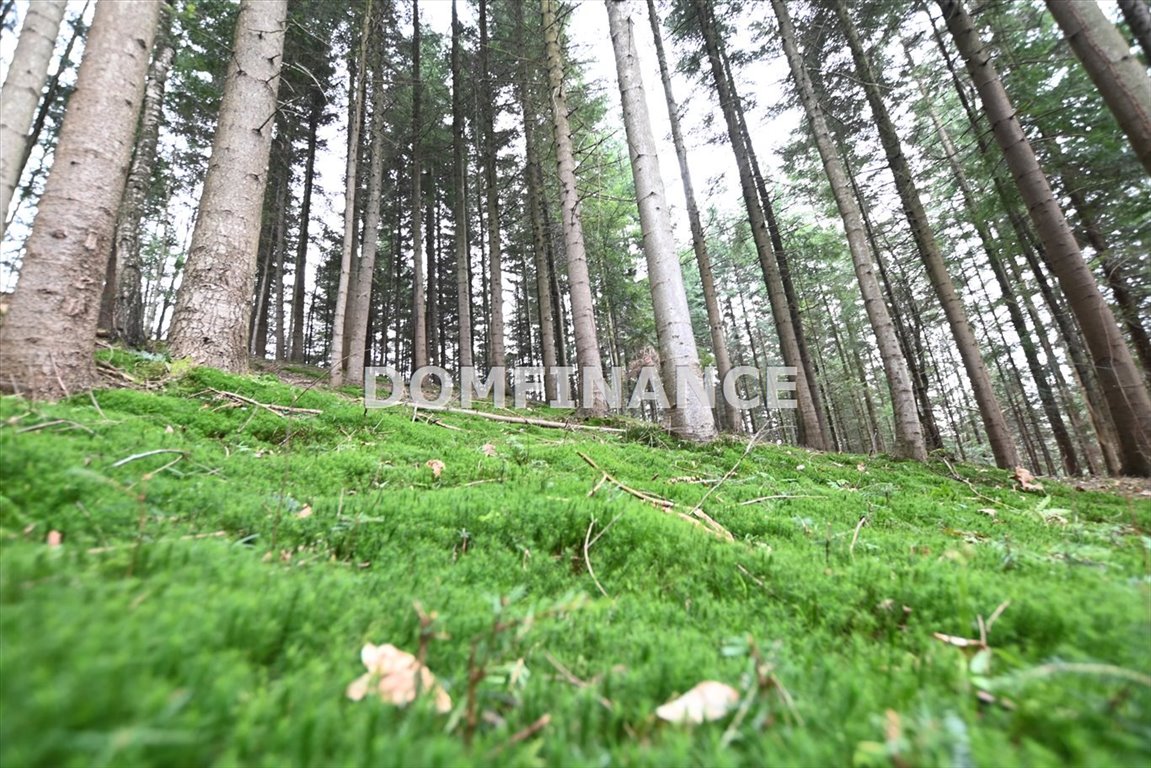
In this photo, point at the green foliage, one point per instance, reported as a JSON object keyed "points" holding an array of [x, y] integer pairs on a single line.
{"points": [[223, 562]]}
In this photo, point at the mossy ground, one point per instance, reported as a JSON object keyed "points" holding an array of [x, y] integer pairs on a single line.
{"points": [[207, 604]]}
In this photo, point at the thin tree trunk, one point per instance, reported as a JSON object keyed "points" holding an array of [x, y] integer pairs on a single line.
{"points": [[998, 435], [459, 201], [690, 414], [807, 415], [908, 431], [579, 280], [419, 298], [22, 89], [49, 334], [1121, 78], [357, 74], [496, 347], [1127, 398], [1138, 16], [299, 281]]}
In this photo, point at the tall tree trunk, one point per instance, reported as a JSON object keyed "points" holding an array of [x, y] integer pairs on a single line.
{"points": [[1138, 16], [1121, 78], [579, 281], [22, 89], [299, 276], [209, 323], [994, 423], [49, 334], [357, 75], [127, 312], [535, 215], [419, 299], [431, 250], [807, 415], [496, 347], [1127, 398], [690, 414], [731, 417], [908, 431], [459, 201]]}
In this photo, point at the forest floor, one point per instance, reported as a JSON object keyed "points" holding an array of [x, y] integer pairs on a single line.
{"points": [[191, 566]]}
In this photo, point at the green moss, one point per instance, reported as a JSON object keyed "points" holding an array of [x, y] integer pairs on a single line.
{"points": [[223, 562]]}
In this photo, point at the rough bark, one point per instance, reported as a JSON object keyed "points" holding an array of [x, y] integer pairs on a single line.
{"points": [[22, 89], [806, 413], [908, 431], [579, 281], [1121, 78], [300, 271], [210, 322], [496, 346], [994, 423], [1127, 398], [419, 299], [49, 333], [690, 415]]}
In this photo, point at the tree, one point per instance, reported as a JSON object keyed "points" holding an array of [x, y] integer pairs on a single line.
{"points": [[908, 431], [690, 415], [1002, 445], [1126, 396], [496, 354], [22, 88], [419, 300], [210, 322], [731, 417], [49, 334], [579, 281], [1138, 16], [1121, 78], [459, 201]]}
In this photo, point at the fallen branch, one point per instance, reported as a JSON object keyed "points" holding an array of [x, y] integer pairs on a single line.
{"points": [[516, 419], [572, 679], [146, 454], [55, 423], [279, 410], [956, 476], [526, 733], [773, 498], [641, 495], [855, 536], [587, 560]]}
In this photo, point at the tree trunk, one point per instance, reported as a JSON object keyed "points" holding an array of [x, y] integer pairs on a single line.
{"points": [[361, 297], [299, 280], [419, 299], [1138, 16], [22, 89], [807, 414], [127, 312], [731, 417], [209, 325], [357, 73], [1126, 396], [49, 333], [1121, 78], [908, 431], [579, 281], [496, 347], [459, 202], [690, 414], [994, 423]]}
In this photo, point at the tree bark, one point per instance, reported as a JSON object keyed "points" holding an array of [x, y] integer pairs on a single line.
{"points": [[419, 298], [807, 414], [22, 90], [1121, 78], [908, 431], [1138, 16], [210, 322], [49, 333], [1126, 396], [300, 272], [579, 280], [690, 415], [496, 346]]}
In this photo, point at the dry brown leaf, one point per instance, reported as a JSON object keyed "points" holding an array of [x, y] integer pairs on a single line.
{"points": [[54, 539], [488, 449], [1026, 480], [958, 642], [305, 512], [392, 674], [710, 700], [436, 466]]}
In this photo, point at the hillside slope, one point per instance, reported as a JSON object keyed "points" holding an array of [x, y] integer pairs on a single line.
{"points": [[188, 575]]}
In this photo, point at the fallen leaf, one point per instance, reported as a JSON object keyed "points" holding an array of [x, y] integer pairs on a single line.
{"points": [[392, 674], [488, 449], [1026, 480], [305, 512], [958, 642], [987, 511], [710, 700], [861, 467], [168, 430], [436, 466], [799, 467], [54, 539]]}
